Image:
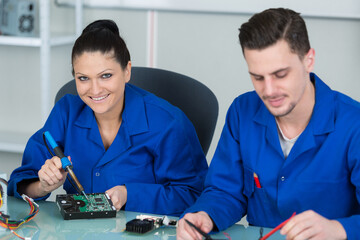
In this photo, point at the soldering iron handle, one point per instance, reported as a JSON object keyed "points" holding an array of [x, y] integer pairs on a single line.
{"points": [[58, 152]]}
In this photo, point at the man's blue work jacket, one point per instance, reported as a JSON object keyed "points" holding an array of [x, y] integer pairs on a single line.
{"points": [[156, 153], [321, 173]]}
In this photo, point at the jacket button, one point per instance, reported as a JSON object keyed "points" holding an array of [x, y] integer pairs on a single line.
{"points": [[282, 178], [97, 174]]}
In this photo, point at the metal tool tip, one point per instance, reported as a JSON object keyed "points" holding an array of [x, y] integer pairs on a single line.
{"points": [[87, 198]]}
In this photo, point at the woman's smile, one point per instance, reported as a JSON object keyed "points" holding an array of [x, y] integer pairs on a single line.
{"points": [[100, 98]]}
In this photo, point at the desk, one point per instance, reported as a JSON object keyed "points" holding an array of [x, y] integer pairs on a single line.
{"points": [[49, 224]]}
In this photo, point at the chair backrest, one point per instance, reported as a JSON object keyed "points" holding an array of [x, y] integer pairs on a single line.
{"points": [[195, 99]]}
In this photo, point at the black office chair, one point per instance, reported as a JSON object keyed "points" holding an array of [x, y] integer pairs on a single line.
{"points": [[195, 99]]}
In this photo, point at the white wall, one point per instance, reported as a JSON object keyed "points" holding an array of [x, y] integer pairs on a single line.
{"points": [[202, 45]]}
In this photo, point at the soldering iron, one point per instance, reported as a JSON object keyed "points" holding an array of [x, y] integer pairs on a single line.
{"points": [[66, 164]]}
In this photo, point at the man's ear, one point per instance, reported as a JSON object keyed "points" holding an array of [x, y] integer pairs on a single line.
{"points": [[309, 60]]}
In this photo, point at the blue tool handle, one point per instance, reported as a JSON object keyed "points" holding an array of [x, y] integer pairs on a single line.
{"points": [[58, 152]]}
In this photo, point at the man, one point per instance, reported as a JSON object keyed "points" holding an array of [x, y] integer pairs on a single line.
{"points": [[293, 145]]}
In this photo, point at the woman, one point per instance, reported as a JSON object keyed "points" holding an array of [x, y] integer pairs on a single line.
{"points": [[122, 140]]}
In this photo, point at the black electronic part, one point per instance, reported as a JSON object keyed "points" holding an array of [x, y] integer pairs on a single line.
{"points": [[139, 226], [76, 206], [172, 223], [145, 223]]}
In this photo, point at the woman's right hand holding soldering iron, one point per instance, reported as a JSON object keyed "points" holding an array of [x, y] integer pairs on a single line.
{"points": [[51, 176]]}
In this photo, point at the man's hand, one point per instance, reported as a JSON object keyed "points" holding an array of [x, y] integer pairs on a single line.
{"points": [[118, 196], [310, 225], [200, 219]]}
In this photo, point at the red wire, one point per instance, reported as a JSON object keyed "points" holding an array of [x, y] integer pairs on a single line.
{"points": [[227, 235], [277, 228]]}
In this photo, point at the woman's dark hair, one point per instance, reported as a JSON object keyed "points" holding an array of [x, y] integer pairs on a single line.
{"points": [[103, 36], [266, 28]]}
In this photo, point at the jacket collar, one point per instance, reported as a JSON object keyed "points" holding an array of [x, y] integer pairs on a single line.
{"points": [[323, 119], [134, 113]]}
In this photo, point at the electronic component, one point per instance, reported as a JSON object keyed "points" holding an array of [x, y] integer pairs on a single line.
{"points": [[18, 17], [146, 223], [77, 206], [140, 226]]}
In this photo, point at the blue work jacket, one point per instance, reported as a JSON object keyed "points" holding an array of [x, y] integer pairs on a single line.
{"points": [[156, 153], [321, 173]]}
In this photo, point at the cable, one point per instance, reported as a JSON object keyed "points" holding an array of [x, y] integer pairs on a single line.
{"points": [[5, 221], [2, 191], [1, 198], [44, 138]]}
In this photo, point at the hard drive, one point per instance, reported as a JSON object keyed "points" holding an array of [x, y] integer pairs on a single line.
{"points": [[76, 206]]}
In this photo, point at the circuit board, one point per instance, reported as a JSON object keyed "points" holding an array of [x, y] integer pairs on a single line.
{"points": [[76, 206]]}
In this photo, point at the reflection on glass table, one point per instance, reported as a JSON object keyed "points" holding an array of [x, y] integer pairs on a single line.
{"points": [[49, 224]]}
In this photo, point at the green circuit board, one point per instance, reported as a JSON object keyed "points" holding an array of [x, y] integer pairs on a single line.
{"points": [[77, 206], [97, 202]]}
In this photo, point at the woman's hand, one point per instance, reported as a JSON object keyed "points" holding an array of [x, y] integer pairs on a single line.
{"points": [[118, 196], [51, 175]]}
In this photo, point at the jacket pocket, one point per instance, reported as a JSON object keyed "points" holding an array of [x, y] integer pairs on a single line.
{"points": [[250, 191], [249, 184], [260, 211]]}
